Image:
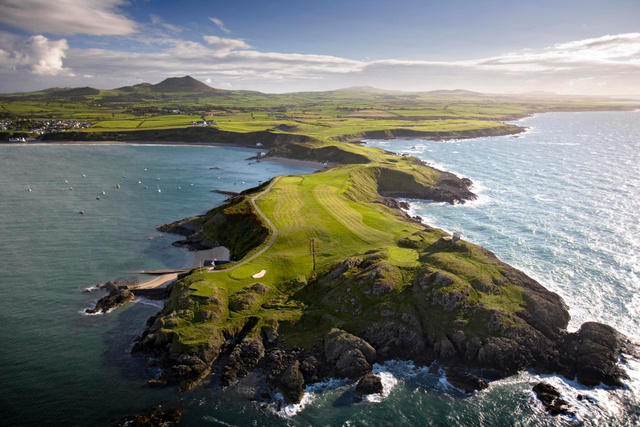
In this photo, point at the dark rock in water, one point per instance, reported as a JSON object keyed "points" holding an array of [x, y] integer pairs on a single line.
{"points": [[593, 353], [118, 295], [348, 355], [369, 384], [550, 398], [291, 384], [465, 381], [154, 417]]}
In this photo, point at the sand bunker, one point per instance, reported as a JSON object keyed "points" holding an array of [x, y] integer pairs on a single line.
{"points": [[259, 275]]}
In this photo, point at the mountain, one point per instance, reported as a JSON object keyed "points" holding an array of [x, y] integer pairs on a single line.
{"points": [[71, 92], [181, 84]]}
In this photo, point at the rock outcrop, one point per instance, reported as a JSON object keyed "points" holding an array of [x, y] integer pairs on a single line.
{"points": [[592, 354], [154, 416], [118, 295], [550, 398], [291, 383], [369, 384], [347, 355], [464, 381]]}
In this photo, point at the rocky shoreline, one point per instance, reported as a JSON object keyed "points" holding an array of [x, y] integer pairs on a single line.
{"points": [[591, 355]]}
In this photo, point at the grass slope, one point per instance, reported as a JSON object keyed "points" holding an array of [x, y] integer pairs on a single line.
{"points": [[319, 221]]}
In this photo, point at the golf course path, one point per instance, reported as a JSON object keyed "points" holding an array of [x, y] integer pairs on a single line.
{"points": [[273, 234]]}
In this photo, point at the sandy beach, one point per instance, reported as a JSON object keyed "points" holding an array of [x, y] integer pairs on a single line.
{"points": [[196, 260]]}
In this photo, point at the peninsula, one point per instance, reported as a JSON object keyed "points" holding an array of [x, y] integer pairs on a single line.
{"points": [[331, 275]]}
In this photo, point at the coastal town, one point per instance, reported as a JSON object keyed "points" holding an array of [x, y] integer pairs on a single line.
{"points": [[35, 128]]}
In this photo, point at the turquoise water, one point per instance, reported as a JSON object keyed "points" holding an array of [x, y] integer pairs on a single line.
{"points": [[559, 202], [58, 366]]}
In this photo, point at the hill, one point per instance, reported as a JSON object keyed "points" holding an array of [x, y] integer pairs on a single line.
{"points": [[181, 84]]}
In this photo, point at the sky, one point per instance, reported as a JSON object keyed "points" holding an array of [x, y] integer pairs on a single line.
{"points": [[589, 47]]}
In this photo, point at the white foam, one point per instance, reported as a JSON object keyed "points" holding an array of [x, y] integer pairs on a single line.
{"points": [[389, 381], [97, 313], [311, 393], [210, 419]]}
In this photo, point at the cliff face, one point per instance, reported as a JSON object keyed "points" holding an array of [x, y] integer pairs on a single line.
{"points": [[189, 134], [504, 129]]}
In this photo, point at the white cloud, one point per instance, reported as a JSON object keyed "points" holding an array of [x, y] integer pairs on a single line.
{"points": [[156, 20], [67, 17], [37, 55], [220, 25], [226, 45], [606, 65]]}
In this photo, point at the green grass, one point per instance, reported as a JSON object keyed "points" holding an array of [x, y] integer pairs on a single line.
{"points": [[117, 124], [315, 207]]}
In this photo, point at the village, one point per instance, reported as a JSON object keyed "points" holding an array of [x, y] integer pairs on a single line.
{"points": [[40, 127]]}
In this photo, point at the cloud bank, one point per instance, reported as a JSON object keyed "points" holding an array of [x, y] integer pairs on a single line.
{"points": [[67, 17], [604, 65]]}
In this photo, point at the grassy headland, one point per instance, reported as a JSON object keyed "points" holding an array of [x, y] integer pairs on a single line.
{"points": [[335, 248]]}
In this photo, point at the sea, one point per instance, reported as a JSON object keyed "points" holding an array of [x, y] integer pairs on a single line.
{"points": [[559, 201]]}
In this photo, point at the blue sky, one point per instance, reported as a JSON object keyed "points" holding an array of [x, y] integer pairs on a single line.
{"points": [[564, 46]]}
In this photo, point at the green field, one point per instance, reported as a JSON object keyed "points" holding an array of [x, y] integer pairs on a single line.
{"points": [[331, 115], [314, 210]]}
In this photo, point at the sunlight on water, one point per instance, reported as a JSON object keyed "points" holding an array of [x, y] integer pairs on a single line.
{"points": [[562, 209]]}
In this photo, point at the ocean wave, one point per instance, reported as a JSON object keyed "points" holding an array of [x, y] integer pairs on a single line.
{"points": [[210, 419], [311, 393]]}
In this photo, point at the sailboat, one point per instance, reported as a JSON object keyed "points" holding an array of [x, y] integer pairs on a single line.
{"points": [[159, 190], [158, 178], [28, 188]]}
